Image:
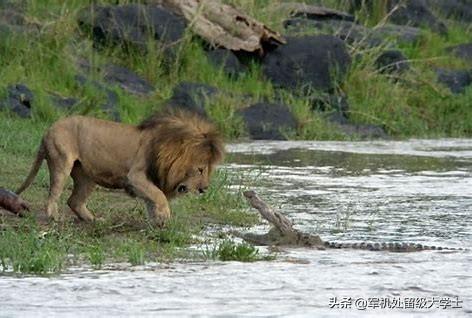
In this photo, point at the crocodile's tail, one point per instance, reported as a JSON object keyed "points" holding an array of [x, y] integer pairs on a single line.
{"points": [[391, 247]]}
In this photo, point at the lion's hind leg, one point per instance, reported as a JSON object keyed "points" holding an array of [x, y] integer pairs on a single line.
{"points": [[83, 187], [59, 169]]}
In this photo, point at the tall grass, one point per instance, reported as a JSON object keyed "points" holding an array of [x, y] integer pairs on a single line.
{"points": [[47, 61]]}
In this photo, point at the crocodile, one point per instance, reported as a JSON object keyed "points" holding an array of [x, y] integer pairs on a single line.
{"points": [[284, 234], [299, 239]]}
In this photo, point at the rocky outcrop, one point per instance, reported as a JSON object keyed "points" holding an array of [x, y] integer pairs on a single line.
{"points": [[455, 80], [463, 51], [13, 21], [132, 24], [127, 80], [362, 131], [225, 59], [63, 103], [391, 62], [415, 13], [354, 33], [268, 121], [19, 100], [313, 12], [460, 10], [335, 108], [116, 75], [333, 103], [110, 105], [192, 96], [308, 63]]}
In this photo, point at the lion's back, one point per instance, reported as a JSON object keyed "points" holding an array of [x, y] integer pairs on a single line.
{"points": [[101, 146]]}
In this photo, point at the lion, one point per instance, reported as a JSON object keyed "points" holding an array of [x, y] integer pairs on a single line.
{"points": [[167, 155]]}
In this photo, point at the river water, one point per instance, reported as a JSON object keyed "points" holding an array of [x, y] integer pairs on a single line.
{"points": [[385, 191]]}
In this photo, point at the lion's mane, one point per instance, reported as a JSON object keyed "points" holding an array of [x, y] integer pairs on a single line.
{"points": [[180, 139]]}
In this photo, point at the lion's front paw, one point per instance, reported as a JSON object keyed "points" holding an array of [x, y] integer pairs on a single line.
{"points": [[158, 215], [162, 216], [159, 221]]}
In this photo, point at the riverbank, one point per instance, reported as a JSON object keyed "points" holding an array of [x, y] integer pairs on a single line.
{"points": [[409, 77]]}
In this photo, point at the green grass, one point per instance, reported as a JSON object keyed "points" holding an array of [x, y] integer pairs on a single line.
{"points": [[415, 107], [228, 250], [413, 104], [32, 250]]}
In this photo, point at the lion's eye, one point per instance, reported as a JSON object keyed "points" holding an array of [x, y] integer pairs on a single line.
{"points": [[200, 170], [182, 189]]}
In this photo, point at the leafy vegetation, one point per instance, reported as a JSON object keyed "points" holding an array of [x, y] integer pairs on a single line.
{"points": [[229, 250]]}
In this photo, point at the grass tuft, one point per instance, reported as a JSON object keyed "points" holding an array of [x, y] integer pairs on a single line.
{"points": [[228, 250]]}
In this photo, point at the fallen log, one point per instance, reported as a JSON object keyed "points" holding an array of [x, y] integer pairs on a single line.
{"points": [[223, 25], [12, 202], [282, 232]]}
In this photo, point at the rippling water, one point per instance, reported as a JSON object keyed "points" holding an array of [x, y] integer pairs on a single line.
{"points": [[414, 191]]}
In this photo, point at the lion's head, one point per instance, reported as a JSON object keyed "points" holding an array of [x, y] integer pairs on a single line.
{"points": [[184, 150]]}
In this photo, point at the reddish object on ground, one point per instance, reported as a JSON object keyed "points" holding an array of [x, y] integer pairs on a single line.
{"points": [[12, 202]]}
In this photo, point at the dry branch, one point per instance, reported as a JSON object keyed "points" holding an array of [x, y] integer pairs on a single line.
{"points": [[222, 25]]}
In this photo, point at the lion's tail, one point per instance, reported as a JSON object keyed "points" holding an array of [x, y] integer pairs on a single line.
{"points": [[40, 156]]}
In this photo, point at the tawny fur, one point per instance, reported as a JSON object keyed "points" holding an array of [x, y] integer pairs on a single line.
{"points": [[165, 156]]}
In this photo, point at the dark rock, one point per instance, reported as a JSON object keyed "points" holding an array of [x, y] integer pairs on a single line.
{"points": [[392, 61], [13, 21], [415, 13], [303, 10], [12, 17], [455, 80], [226, 59], [18, 5], [117, 75], [463, 51], [403, 33], [336, 108], [335, 104], [345, 30], [192, 96], [132, 24], [363, 131], [310, 62], [127, 80], [460, 10], [409, 12], [65, 103], [19, 100], [354, 33], [268, 121], [112, 100]]}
